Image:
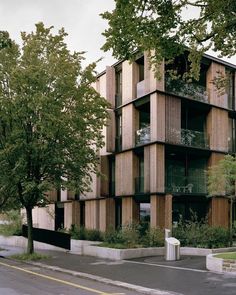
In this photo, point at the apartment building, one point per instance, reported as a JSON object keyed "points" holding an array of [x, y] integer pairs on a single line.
{"points": [[161, 138]]}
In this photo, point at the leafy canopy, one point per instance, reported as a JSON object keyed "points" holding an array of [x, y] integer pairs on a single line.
{"points": [[222, 177], [5, 40], [169, 27], [50, 119]]}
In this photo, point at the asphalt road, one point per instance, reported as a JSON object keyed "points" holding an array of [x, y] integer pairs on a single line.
{"points": [[21, 279], [187, 276]]}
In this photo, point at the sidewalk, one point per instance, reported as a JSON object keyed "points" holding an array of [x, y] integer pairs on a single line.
{"points": [[150, 275]]}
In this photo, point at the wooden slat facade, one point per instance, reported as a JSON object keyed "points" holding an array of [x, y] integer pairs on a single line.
{"points": [[92, 214], [147, 169], [130, 211], [124, 174], [157, 109], [217, 129], [173, 119], [216, 97], [129, 81], [106, 214], [111, 132], [151, 82], [110, 85], [219, 212], [161, 211], [71, 214], [129, 118], [105, 176], [157, 168]]}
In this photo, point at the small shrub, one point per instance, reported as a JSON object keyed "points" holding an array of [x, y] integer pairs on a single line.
{"points": [[130, 235], [113, 236], [77, 233], [81, 233], [143, 228], [93, 235], [217, 237], [13, 225], [196, 233], [154, 237]]}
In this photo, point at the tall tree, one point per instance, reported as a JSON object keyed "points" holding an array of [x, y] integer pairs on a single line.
{"points": [[51, 120], [169, 27], [5, 40], [222, 181]]}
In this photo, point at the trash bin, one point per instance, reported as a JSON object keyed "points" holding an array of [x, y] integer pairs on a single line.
{"points": [[172, 249]]}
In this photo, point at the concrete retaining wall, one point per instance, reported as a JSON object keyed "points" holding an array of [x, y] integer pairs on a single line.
{"points": [[220, 265], [214, 264], [90, 248], [79, 246], [18, 241], [119, 254]]}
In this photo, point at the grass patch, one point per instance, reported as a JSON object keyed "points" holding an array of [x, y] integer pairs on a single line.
{"points": [[230, 255], [31, 257]]}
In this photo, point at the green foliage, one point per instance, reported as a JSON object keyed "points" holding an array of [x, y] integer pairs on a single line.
{"points": [[133, 236], [221, 182], [161, 26], [222, 177], [31, 257], [194, 233], [77, 233], [13, 225], [154, 238], [217, 237], [81, 233], [51, 120], [93, 235], [5, 41], [112, 236], [130, 235]]}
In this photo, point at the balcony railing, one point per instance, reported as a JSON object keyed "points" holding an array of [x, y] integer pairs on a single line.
{"points": [[139, 185], [143, 136], [187, 184], [189, 90], [188, 137], [194, 138]]}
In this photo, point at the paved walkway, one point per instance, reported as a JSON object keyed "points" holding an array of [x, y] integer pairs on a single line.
{"points": [[151, 275]]}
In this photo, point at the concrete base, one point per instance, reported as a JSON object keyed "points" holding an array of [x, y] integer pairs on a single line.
{"points": [[214, 264], [90, 248], [18, 241], [220, 265], [120, 254]]}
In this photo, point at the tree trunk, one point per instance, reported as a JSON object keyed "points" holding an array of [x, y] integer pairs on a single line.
{"points": [[231, 222], [30, 246]]}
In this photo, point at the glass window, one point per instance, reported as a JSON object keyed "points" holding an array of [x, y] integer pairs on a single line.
{"points": [[144, 212]]}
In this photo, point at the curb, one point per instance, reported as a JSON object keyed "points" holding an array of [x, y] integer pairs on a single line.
{"points": [[128, 286]]}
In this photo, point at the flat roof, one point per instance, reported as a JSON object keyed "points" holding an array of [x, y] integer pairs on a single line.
{"points": [[215, 59]]}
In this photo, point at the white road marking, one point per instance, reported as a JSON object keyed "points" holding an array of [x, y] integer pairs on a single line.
{"points": [[167, 266]]}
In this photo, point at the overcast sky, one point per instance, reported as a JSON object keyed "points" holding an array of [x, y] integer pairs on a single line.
{"points": [[80, 18]]}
